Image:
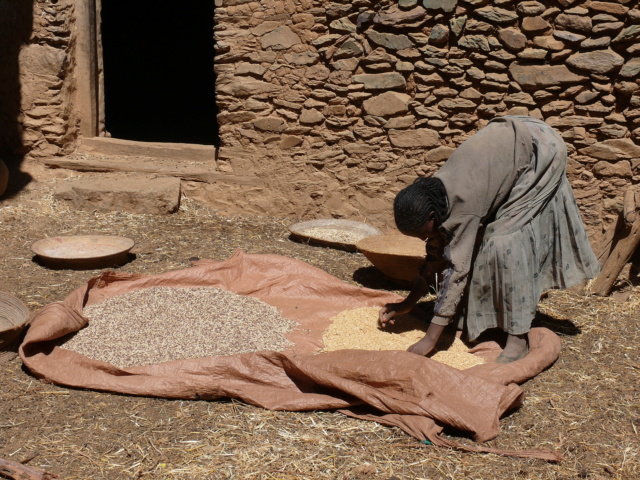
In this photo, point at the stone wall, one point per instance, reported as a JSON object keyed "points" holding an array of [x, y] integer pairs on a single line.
{"points": [[335, 106], [329, 108], [37, 86], [49, 121]]}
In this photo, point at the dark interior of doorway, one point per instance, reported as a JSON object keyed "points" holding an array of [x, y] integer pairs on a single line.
{"points": [[158, 70]]}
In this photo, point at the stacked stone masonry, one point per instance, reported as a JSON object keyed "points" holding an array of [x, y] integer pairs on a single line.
{"points": [[329, 108], [49, 125], [346, 102]]}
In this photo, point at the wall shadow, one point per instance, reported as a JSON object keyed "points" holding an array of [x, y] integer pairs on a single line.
{"points": [[16, 25]]}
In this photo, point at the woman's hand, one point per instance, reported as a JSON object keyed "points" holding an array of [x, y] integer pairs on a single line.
{"points": [[390, 310]]}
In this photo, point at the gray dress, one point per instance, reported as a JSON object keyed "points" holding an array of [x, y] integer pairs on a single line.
{"points": [[513, 228]]}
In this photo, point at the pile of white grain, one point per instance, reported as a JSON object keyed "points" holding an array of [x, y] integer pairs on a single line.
{"points": [[160, 324], [329, 234], [358, 329]]}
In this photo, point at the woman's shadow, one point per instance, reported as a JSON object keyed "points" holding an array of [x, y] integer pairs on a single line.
{"points": [[16, 26]]}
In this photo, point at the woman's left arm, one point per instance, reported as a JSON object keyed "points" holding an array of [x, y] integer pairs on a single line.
{"points": [[463, 233]]}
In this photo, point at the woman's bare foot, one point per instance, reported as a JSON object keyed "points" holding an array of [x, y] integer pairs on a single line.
{"points": [[516, 348], [428, 342]]}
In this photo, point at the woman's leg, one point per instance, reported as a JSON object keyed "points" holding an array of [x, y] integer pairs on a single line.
{"points": [[428, 342], [517, 347]]}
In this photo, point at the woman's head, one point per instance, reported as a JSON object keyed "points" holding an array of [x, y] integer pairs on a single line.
{"points": [[420, 203]]}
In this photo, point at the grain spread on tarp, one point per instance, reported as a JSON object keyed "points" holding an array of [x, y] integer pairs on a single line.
{"points": [[358, 329], [160, 324]]}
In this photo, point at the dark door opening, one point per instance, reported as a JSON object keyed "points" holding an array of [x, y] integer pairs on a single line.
{"points": [[159, 84]]}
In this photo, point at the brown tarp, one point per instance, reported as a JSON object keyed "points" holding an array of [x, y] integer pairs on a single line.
{"points": [[417, 394]]}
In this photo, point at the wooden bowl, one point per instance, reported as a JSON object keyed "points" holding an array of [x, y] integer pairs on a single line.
{"points": [[83, 251], [335, 233], [398, 256], [14, 317]]}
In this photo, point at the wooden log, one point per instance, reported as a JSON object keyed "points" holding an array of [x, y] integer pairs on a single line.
{"points": [[620, 255], [629, 209], [18, 471], [174, 168], [609, 240], [619, 229]]}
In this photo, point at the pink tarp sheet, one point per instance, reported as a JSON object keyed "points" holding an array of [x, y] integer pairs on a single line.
{"points": [[417, 394]]}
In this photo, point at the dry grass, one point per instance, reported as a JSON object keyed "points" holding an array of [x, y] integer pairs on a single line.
{"points": [[586, 407]]}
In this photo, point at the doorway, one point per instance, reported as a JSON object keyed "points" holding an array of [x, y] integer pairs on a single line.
{"points": [[159, 83]]}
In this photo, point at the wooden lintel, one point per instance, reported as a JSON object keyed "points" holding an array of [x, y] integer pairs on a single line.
{"points": [[183, 170]]}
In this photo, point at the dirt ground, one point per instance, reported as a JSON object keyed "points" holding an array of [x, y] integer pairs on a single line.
{"points": [[585, 407]]}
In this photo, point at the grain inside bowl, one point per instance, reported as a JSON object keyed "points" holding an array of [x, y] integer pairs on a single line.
{"points": [[332, 235], [160, 324], [358, 329]]}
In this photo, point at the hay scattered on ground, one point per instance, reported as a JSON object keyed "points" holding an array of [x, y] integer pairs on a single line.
{"points": [[358, 329], [584, 407]]}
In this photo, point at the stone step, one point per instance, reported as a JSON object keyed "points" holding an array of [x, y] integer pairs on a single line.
{"points": [[121, 192], [173, 151]]}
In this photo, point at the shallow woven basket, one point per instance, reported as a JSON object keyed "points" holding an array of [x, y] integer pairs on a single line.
{"points": [[398, 256], [14, 316], [358, 230]]}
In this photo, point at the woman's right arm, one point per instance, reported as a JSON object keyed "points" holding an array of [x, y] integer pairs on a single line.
{"points": [[434, 263], [419, 289]]}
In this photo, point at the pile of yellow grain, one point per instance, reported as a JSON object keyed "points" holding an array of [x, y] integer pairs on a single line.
{"points": [[358, 329]]}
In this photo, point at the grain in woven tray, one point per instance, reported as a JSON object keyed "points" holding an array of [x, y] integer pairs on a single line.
{"points": [[160, 324], [332, 235], [358, 329]]}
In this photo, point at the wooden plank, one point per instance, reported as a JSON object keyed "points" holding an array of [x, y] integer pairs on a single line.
{"points": [[86, 71], [621, 254], [18, 471], [183, 170], [173, 151], [629, 209], [609, 240]]}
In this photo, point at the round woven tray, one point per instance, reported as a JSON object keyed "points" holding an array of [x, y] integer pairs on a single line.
{"points": [[14, 316], [398, 256], [83, 251], [335, 233]]}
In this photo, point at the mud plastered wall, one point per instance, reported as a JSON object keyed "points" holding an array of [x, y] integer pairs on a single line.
{"points": [[334, 106], [37, 86]]}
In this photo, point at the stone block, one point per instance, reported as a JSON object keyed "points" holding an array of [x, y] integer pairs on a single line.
{"points": [[390, 40], [381, 81], [598, 62], [419, 138], [541, 76], [281, 38], [134, 193], [387, 104]]}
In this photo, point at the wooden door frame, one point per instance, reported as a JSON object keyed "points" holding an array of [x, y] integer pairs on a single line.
{"points": [[89, 72]]}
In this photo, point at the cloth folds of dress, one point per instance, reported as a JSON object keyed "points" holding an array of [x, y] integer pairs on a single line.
{"points": [[514, 229]]}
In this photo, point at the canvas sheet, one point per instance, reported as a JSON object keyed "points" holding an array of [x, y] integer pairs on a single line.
{"points": [[417, 394]]}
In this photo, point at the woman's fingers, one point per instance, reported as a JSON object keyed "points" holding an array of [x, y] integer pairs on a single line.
{"points": [[386, 316]]}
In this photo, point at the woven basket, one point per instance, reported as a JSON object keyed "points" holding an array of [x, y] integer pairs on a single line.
{"points": [[14, 317], [357, 230], [398, 256]]}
